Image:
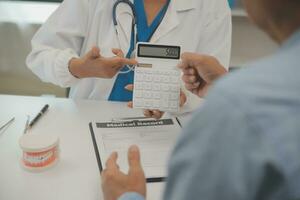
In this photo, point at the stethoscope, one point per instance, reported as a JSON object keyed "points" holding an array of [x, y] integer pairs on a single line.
{"points": [[133, 39], [134, 36]]}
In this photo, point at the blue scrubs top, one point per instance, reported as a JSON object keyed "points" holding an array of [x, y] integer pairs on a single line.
{"points": [[144, 34]]}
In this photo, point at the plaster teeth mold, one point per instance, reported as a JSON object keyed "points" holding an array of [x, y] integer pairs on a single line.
{"points": [[40, 152]]}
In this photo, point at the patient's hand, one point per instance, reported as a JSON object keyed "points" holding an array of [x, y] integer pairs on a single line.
{"points": [[199, 72], [115, 183]]}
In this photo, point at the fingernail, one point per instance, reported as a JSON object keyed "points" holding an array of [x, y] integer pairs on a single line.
{"points": [[133, 148], [114, 154], [126, 87]]}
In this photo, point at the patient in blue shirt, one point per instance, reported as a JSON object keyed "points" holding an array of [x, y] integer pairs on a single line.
{"points": [[244, 142]]}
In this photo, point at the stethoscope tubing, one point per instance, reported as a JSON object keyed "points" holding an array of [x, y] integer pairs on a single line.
{"points": [[130, 4], [133, 28]]}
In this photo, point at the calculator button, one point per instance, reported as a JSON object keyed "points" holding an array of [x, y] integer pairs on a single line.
{"points": [[149, 78], [137, 70], [156, 95], [147, 95], [148, 103], [138, 103], [147, 86], [149, 71], [156, 103], [138, 77], [175, 73], [157, 78], [138, 93], [174, 88], [138, 86], [174, 96], [144, 76], [143, 86], [165, 87], [144, 94], [174, 104], [166, 79], [165, 96], [156, 72], [174, 79], [165, 104], [155, 87], [161, 79]]}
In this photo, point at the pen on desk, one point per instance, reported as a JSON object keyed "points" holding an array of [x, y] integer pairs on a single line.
{"points": [[156, 179], [10, 121], [39, 115]]}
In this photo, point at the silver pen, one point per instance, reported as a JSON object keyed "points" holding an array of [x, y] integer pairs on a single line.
{"points": [[26, 124], [7, 123]]}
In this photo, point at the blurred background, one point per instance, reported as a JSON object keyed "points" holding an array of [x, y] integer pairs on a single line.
{"points": [[19, 20]]}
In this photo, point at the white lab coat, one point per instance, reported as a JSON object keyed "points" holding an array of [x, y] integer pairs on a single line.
{"points": [[202, 26]]}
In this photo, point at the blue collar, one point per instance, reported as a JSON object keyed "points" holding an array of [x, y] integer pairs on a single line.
{"points": [[145, 31]]}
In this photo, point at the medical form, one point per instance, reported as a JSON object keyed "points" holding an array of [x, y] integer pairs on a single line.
{"points": [[155, 138]]}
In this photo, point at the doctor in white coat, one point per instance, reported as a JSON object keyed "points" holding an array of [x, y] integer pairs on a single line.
{"points": [[78, 46]]}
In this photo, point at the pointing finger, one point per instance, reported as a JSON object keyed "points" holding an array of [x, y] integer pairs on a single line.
{"points": [[134, 159]]}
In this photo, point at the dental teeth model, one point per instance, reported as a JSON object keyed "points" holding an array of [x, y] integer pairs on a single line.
{"points": [[40, 152]]}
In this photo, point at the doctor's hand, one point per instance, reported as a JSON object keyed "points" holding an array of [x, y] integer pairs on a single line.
{"points": [[115, 183], [156, 114], [199, 72], [94, 65]]}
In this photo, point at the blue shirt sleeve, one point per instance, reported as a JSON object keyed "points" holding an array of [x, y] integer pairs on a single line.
{"points": [[212, 159], [131, 196]]}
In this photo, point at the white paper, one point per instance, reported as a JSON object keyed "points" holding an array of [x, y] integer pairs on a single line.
{"points": [[155, 138]]}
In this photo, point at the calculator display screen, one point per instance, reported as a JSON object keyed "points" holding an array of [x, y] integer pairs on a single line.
{"points": [[159, 51]]}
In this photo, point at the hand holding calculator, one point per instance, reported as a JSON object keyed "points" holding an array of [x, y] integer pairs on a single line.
{"points": [[157, 79]]}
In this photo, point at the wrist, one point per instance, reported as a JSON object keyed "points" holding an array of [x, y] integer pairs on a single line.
{"points": [[131, 196], [75, 67]]}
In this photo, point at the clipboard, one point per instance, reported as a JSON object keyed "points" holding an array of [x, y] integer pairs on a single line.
{"points": [[97, 149]]}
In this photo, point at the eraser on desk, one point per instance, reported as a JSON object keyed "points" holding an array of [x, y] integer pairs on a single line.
{"points": [[40, 152]]}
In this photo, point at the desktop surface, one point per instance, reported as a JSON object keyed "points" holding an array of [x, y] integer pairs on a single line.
{"points": [[76, 176]]}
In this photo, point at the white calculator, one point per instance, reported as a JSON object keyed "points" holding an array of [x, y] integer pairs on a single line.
{"points": [[157, 78]]}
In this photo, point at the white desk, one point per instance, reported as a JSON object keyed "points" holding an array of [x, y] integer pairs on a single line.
{"points": [[76, 177]]}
